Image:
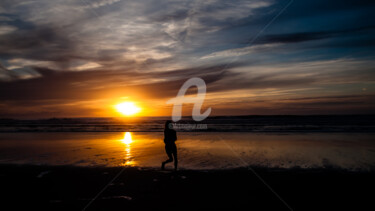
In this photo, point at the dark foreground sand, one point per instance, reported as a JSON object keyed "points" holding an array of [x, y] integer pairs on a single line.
{"points": [[26, 187]]}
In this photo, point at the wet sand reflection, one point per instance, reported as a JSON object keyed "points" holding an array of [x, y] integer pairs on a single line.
{"points": [[127, 140]]}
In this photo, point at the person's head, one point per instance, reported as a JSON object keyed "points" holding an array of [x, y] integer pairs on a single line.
{"points": [[168, 124]]}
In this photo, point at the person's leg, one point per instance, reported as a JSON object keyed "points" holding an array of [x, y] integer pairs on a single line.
{"points": [[175, 157], [170, 158]]}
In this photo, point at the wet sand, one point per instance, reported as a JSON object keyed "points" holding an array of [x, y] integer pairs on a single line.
{"points": [[73, 188], [197, 151]]}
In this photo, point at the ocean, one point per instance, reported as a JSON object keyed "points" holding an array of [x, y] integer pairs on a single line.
{"points": [[279, 123]]}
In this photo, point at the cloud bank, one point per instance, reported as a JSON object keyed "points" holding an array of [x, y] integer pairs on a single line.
{"points": [[76, 52]]}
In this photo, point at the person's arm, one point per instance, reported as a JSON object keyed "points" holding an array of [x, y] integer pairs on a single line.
{"points": [[175, 135]]}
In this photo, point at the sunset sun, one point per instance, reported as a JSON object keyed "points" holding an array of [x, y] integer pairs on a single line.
{"points": [[127, 108]]}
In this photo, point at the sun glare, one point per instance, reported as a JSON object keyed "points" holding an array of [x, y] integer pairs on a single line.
{"points": [[127, 108]]}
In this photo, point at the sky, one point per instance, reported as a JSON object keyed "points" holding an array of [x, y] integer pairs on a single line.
{"points": [[79, 58]]}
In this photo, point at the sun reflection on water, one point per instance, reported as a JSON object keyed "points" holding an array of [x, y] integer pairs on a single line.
{"points": [[127, 140]]}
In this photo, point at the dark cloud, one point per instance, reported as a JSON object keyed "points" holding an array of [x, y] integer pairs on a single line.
{"points": [[309, 36], [65, 85], [36, 43], [260, 82], [177, 15], [301, 106], [333, 97], [6, 75]]}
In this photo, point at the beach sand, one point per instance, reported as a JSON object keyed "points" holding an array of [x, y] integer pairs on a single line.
{"points": [[111, 171], [30, 187]]}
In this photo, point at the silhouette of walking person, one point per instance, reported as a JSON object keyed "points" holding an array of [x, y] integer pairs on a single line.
{"points": [[170, 147]]}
